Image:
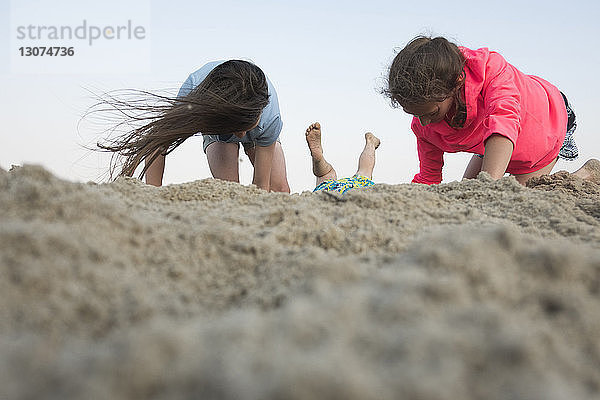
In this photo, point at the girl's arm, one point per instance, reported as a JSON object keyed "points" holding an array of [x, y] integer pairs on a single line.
{"points": [[498, 150], [155, 171], [502, 100], [263, 164], [431, 160]]}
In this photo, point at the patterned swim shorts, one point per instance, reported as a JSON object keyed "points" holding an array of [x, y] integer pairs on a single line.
{"points": [[344, 184]]}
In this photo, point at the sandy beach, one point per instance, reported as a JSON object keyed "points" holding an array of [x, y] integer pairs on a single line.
{"points": [[210, 289]]}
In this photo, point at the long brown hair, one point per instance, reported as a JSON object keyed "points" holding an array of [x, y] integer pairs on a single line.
{"points": [[428, 70], [230, 99]]}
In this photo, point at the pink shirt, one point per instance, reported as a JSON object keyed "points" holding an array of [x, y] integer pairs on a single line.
{"points": [[500, 99]]}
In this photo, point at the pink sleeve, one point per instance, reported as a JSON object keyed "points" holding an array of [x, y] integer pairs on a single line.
{"points": [[431, 160], [502, 100]]}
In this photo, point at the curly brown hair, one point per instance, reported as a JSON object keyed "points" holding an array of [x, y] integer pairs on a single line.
{"points": [[230, 99], [428, 70]]}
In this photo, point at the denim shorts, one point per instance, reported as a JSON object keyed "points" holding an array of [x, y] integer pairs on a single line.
{"points": [[230, 138]]}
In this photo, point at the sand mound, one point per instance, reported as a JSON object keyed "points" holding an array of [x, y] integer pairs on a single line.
{"points": [[468, 290]]}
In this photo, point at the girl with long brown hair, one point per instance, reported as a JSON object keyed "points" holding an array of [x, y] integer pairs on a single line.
{"points": [[228, 102]]}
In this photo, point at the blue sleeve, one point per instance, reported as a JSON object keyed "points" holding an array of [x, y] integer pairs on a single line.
{"points": [[197, 77], [270, 120], [187, 87], [271, 132]]}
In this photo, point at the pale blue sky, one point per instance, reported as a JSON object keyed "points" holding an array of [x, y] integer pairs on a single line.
{"points": [[326, 59]]}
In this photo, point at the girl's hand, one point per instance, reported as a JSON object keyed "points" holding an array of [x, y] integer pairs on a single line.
{"points": [[498, 151]]}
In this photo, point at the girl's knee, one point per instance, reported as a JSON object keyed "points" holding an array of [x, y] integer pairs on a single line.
{"points": [[281, 187]]}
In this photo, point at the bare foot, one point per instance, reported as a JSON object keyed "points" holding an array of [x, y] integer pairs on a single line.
{"points": [[590, 171], [313, 138], [372, 139]]}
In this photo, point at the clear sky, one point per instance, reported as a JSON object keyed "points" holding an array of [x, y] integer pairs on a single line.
{"points": [[326, 59]]}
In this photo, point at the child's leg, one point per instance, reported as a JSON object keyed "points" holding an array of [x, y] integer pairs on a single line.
{"points": [[321, 168], [474, 167], [223, 160], [366, 161], [590, 171], [523, 178], [279, 182]]}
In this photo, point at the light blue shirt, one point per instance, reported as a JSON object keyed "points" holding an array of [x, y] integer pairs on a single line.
{"points": [[269, 127]]}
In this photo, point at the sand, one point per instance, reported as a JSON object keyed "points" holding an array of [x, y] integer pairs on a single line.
{"points": [[210, 289]]}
